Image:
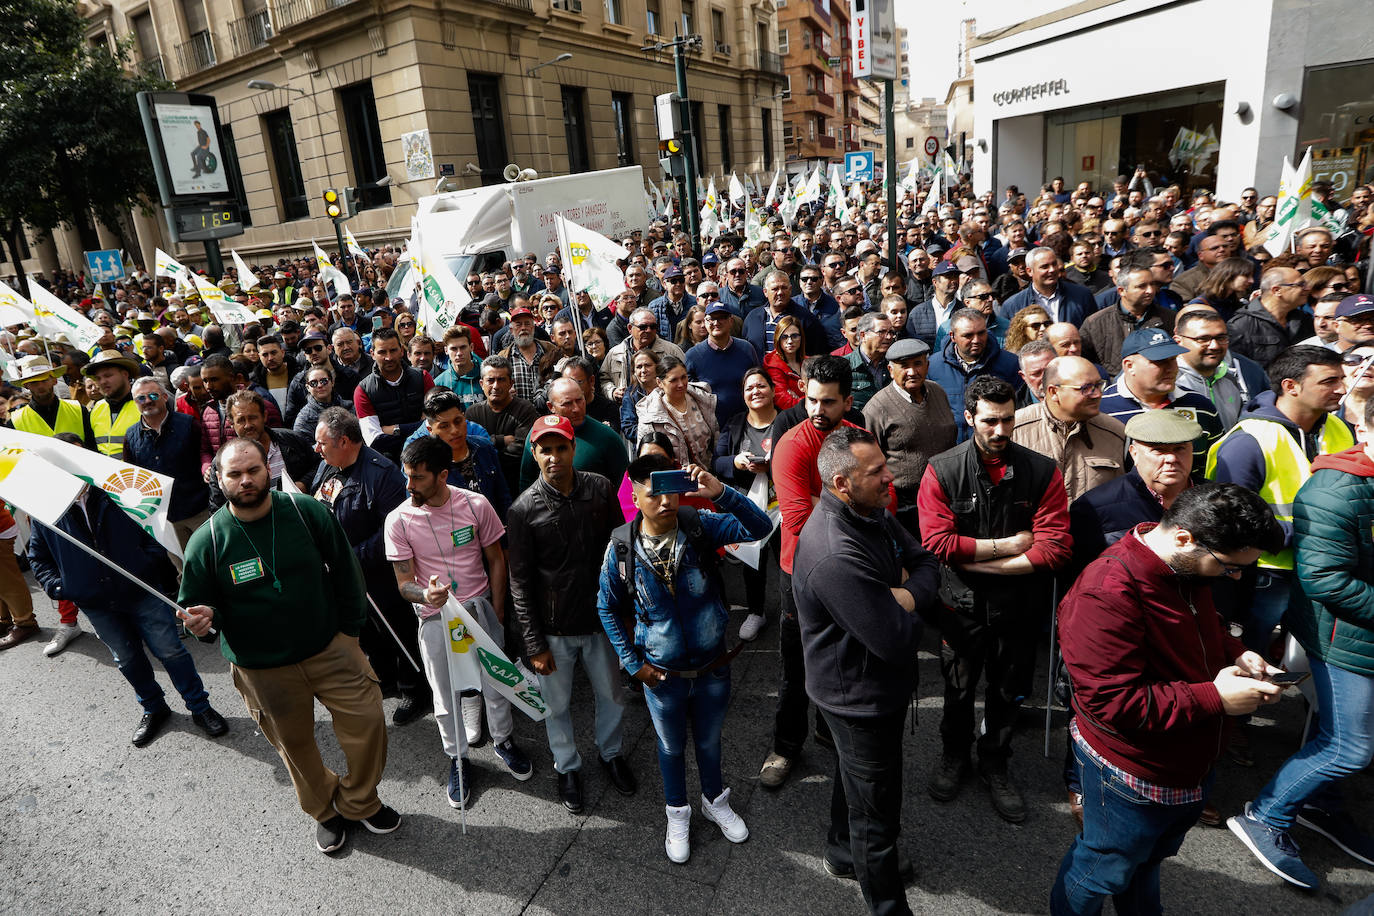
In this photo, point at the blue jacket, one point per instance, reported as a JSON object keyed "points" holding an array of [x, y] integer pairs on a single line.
{"points": [[629, 412], [756, 331], [827, 311], [667, 323], [1102, 516], [174, 452], [66, 572], [373, 488], [723, 371], [949, 373], [1075, 302], [684, 628], [752, 298]]}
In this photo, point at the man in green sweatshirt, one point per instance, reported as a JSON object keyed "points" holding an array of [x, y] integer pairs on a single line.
{"points": [[276, 575]]}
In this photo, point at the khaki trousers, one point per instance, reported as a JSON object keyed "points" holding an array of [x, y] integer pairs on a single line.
{"points": [[183, 530], [16, 604], [282, 703]]}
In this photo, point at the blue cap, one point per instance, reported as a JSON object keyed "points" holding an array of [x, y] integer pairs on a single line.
{"points": [[1151, 343], [944, 267]]}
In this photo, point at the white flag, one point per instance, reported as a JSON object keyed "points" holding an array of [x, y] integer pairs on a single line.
{"points": [[590, 259], [225, 310], [329, 273], [791, 203], [838, 202], [440, 290], [811, 192], [754, 229], [710, 212], [932, 203], [353, 247], [471, 650], [772, 197], [14, 308], [168, 266], [141, 493], [247, 279], [52, 316], [35, 485], [1294, 209], [738, 194]]}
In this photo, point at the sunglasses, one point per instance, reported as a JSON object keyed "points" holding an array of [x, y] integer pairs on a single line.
{"points": [[318, 382], [1037, 325], [737, 270], [1356, 359], [315, 349], [811, 279], [790, 337], [708, 295], [645, 327], [147, 398]]}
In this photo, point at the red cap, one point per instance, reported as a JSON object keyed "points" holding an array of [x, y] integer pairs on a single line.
{"points": [[552, 425], [518, 311]]}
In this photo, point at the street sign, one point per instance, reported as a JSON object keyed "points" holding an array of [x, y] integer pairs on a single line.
{"points": [[858, 166], [104, 266], [932, 146]]}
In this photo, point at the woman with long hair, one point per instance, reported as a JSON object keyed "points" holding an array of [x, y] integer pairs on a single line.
{"points": [[685, 412], [691, 329], [1324, 280], [643, 380], [744, 453], [784, 364], [1227, 287], [1026, 325]]}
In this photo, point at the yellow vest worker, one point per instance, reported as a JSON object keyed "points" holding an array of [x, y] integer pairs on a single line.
{"points": [[71, 418], [45, 414], [107, 368]]}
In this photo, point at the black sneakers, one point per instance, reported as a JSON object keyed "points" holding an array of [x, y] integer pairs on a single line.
{"points": [[331, 835], [384, 821]]}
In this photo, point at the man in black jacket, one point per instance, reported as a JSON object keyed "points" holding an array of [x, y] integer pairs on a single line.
{"points": [[860, 580], [361, 487], [288, 453], [559, 528]]}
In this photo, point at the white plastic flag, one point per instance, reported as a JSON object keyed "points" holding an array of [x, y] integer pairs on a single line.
{"points": [[738, 194], [141, 493], [1294, 209], [168, 266], [440, 290], [754, 229], [590, 259], [762, 495], [225, 310], [35, 485], [247, 279], [471, 651], [14, 308], [329, 273], [772, 197], [710, 212], [52, 316], [353, 247], [838, 201]]}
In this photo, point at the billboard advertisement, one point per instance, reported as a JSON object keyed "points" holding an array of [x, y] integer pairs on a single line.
{"points": [[874, 47]]}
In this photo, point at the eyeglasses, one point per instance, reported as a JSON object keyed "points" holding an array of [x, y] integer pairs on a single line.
{"points": [[318, 382], [792, 336], [405, 324], [737, 270], [708, 296], [1247, 197], [1150, 235], [147, 398], [888, 333], [1037, 325], [1357, 359], [474, 282], [645, 327], [674, 280], [1338, 287], [315, 349], [1208, 340], [977, 296], [1228, 569], [1366, 318], [811, 279], [1088, 389]]}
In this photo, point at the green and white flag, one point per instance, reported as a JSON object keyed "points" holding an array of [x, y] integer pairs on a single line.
{"points": [[710, 213], [474, 656], [52, 316], [838, 201], [590, 259], [14, 308], [791, 202], [754, 229], [1294, 209], [225, 310], [168, 266], [247, 279], [331, 274], [353, 247], [439, 288]]}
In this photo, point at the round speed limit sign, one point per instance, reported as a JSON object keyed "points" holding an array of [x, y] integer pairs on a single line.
{"points": [[932, 146]]}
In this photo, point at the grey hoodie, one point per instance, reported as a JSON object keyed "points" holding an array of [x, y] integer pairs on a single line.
{"points": [[1226, 389]]}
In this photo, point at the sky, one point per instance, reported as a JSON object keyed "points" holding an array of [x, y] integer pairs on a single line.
{"points": [[934, 57]]}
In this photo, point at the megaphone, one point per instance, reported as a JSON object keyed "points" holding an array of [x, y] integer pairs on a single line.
{"points": [[511, 172], [527, 175]]}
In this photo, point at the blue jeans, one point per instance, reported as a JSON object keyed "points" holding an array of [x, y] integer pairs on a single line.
{"points": [[1341, 746], [597, 656], [1273, 591], [126, 628], [866, 806], [672, 705], [1125, 838]]}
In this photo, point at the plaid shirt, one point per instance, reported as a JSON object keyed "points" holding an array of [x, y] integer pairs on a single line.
{"points": [[1160, 795], [525, 377]]}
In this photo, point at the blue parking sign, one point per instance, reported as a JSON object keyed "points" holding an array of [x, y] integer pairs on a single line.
{"points": [[858, 166], [105, 266]]}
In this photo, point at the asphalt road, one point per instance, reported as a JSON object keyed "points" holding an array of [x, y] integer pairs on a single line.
{"points": [[90, 824]]}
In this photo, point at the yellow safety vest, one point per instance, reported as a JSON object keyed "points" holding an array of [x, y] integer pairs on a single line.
{"points": [[1286, 468], [70, 419], [109, 435]]}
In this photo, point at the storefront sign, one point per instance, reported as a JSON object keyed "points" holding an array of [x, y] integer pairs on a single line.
{"points": [[1033, 91], [1338, 166]]}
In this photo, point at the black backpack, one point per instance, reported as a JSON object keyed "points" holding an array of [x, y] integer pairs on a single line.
{"points": [[689, 522]]}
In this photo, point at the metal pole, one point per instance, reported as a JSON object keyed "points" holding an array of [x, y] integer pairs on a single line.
{"points": [[214, 263], [339, 239], [891, 175], [1049, 691], [692, 218]]}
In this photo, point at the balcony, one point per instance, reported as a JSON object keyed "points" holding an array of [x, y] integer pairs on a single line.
{"points": [[251, 32], [770, 62], [152, 66], [812, 9], [197, 54], [294, 12], [825, 99], [826, 141]]}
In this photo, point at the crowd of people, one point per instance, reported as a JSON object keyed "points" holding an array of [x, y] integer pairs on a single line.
{"points": [[1111, 419]]}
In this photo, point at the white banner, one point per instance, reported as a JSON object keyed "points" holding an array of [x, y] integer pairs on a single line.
{"points": [[225, 310], [760, 494], [471, 650], [247, 279], [590, 260], [168, 266], [52, 316], [14, 308]]}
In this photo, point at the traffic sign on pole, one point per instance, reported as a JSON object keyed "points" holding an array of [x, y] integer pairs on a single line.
{"points": [[858, 166], [932, 146], [105, 266]]}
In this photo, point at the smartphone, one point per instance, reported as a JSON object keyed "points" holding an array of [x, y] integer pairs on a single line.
{"points": [[1289, 678], [376, 322], [664, 482]]}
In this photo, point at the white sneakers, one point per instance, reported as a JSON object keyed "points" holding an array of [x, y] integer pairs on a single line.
{"points": [[679, 826], [717, 812], [66, 632], [720, 813], [752, 626], [472, 718]]}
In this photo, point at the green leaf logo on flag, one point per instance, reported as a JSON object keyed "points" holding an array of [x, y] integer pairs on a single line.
{"points": [[499, 669]]}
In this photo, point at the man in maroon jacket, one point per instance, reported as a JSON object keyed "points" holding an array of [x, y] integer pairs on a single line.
{"points": [[1155, 675]]}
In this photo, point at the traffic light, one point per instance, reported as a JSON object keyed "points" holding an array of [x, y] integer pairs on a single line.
{"points": [[333, 203], [350, 200], [670, 156]]}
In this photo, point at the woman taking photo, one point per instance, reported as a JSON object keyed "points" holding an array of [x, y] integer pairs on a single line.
{"points": [[784, 364], [743, 455], [685, 412]]}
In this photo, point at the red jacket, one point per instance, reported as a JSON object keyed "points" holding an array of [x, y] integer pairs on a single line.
{"points": [[1142, 646], [788, 387]]}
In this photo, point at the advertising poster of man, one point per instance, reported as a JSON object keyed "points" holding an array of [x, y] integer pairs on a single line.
{"points": [[194, 159]]}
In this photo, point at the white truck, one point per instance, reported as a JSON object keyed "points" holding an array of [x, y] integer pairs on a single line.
{"points": [[479, 228]]}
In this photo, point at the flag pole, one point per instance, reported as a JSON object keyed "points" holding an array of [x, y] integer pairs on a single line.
{"points": [[386, 623], [1049, 689]]}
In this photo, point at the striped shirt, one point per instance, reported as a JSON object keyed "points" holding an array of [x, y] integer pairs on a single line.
{"points": [[1160, 795]]}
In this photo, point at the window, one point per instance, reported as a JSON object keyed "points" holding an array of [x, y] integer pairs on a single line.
{"points": [[622, 112], [767, 138], [689, 17], [810, 83], [652, 17], [910, 142], [784, 43], [359, 108], [718, 28], [786, 86], [699, 137], [811, 128], [575, 130], [613, 13], [232, 171], [281, 140], [1336, 123], [488, 128], [145, 37], [806, 38], [723, 119], [787, 135]]}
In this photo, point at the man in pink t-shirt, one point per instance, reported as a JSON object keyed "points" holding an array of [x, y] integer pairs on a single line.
{"points": [[447, 541]]}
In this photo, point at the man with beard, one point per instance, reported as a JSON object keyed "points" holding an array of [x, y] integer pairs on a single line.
{"points": [[531, 359], [389, 401], [275, 574]]}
